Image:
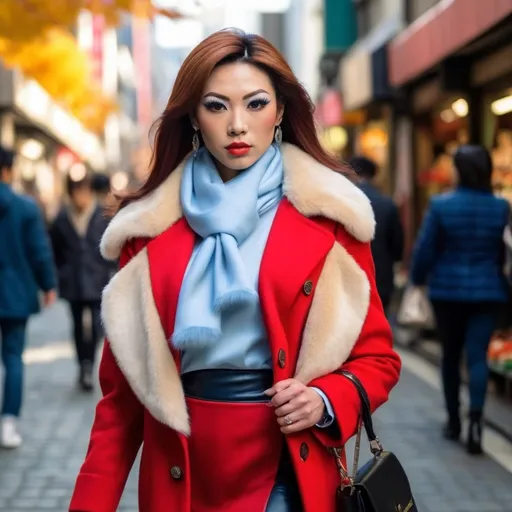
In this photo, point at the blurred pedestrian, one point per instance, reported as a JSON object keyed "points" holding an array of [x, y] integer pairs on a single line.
{"points": [[103, 191], [388, 243], [246, 282], [26, 266], [83, 273], [460, 255]]}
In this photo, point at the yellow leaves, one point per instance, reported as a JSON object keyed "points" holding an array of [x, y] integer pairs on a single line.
{"points": [[34, 37], [26, 19], [55, 61]]}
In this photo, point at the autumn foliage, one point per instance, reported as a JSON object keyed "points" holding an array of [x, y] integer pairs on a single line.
{"points": [[35, 37]]}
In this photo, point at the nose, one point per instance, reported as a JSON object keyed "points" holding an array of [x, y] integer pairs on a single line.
{"points": [[238, 124]]}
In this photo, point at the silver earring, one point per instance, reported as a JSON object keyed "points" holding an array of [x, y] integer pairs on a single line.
{"points": [[278, 137], [195, 142]]}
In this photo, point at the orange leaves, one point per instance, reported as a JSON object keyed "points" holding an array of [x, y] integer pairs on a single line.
{"points": [[55, 61], [34, 37]]}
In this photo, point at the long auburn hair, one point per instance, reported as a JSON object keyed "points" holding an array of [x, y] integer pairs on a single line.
{"points": [[174, 131]]}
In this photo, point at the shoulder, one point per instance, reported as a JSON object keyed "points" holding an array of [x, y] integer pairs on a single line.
{"points": [[28, 205], [502, 204]]}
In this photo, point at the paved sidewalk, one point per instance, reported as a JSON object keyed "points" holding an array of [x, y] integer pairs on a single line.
{"points": [[57, 418]]}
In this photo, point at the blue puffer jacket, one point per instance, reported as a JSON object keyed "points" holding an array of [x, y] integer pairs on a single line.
{"points": [[460, 249], [26, 263]]}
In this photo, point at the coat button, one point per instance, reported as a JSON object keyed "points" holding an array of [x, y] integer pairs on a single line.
{"points": [[281, 358], [304, 451], [308, 287], [176, 472]]}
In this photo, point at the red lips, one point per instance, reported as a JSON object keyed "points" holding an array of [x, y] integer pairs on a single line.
{"points": [[238, 148], [238, 145]]}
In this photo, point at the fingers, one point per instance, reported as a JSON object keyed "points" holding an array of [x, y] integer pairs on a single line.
{"points": [[294, 404], [297, 426], [303, 413], [279, 386]]}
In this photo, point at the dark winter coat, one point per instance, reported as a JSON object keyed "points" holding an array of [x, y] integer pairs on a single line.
{"points": [[460, 250], [26, 264], [388, 243], [83, 273]]}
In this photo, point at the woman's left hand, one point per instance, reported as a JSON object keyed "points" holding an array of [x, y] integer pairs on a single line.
{"points": [[297, 407]]}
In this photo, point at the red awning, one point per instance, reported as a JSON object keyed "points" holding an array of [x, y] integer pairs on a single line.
{"points": [[440, 32]]}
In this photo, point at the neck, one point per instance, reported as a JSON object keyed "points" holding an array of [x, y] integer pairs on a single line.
{"points": [[225, 173]]}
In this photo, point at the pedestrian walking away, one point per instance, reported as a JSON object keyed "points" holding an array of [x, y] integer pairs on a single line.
{"points": [[246, 284], [26, 266], [83, 273], [388, 242], [460, 254]]}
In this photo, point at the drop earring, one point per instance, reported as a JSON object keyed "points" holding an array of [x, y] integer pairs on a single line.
{"points": [[195, 142], [278, 136]]}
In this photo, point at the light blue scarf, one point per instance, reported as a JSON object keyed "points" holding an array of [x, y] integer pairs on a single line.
{"points": [[224, 215]]}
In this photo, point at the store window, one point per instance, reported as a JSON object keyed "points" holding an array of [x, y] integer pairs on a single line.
{"points": [[498, 138], [438, 134], [372, 141]]}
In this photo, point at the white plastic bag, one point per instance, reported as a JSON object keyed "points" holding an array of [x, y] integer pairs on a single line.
{"points": [[415, 309]]}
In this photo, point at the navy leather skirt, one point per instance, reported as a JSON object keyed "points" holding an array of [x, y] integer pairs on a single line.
{"points": [[245, 387]]}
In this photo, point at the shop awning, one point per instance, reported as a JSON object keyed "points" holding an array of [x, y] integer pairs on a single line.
{"points": [[363, 71], [441, 31]]}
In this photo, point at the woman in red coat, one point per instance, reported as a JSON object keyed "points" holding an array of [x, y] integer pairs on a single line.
{"points": [[246, 282]]}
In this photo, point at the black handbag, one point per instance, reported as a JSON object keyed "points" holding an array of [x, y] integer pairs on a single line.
{"points": [[381, 485]]}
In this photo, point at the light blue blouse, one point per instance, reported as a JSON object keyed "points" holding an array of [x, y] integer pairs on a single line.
{"points": [[244, 344]]}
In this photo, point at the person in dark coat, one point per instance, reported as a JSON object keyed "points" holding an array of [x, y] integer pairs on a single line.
{"points": [[388, 243], [83, 273], [460, 256], [26, 266]]}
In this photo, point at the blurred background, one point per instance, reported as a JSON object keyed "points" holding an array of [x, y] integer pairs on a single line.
{"points": [[401, 82]]}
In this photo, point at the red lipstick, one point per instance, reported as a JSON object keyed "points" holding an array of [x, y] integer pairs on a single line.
{"points": [[238, 148]]}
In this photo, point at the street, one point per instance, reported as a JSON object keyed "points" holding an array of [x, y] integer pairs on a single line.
{"points": [[57, 420]]}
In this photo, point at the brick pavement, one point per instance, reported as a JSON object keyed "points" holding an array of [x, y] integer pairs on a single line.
{"points": [[57, 418]]}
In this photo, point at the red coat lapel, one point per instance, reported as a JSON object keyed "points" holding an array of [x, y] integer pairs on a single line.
{"points": [[168, 256], [296, 247], [288, 263]]}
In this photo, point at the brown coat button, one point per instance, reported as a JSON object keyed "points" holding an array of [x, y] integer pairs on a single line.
{"points": [[176, 472], [304, 451], [281, 358], [308, 287]]}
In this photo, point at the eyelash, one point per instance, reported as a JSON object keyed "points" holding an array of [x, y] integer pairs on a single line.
{"points": [[217, 106]]}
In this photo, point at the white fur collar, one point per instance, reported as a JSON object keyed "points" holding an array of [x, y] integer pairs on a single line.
{"points": [[313, 189]]}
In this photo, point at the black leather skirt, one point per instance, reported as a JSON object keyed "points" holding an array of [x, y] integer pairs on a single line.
{"points": [[247, 386]]}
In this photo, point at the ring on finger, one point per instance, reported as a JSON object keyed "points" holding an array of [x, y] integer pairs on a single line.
{"points": [[288, 420]]}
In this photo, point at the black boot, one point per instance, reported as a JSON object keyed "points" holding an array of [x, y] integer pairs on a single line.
{"points": [[86, 377], [451, 431], [474, 441]]}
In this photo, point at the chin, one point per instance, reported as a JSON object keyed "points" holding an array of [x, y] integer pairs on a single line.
{"points": [[239, 163]]}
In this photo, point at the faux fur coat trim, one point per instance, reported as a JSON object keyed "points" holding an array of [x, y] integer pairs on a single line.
{"points": [[313, 189]]}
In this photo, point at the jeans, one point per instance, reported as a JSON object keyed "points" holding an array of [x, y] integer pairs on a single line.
{"points": [[469, 326], [86, 341], [13, 343]]}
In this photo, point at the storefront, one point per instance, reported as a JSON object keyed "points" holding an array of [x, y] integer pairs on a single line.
{"points": [[454, 63], [457, 89], [47, 140], [367, 94], [493, 74]]}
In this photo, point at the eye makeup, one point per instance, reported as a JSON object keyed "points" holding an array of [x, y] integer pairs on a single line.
{"points": [[214, 105], [258, 103]]}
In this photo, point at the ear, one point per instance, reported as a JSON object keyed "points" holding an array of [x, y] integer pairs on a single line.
{"points": [[193, 122], [280, 113]]}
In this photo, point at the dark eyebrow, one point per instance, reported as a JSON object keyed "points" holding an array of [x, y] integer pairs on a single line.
{"points": [[225, 98]]}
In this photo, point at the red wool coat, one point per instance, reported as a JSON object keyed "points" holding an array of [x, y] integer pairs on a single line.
{"points": [[321, 311]]}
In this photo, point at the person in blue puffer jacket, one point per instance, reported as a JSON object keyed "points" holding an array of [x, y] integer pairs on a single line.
{"points": [[460, 254], [26, 267]]}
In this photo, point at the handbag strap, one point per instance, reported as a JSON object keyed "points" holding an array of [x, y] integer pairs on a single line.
{"points": [[366, 414], [365, 418]]}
